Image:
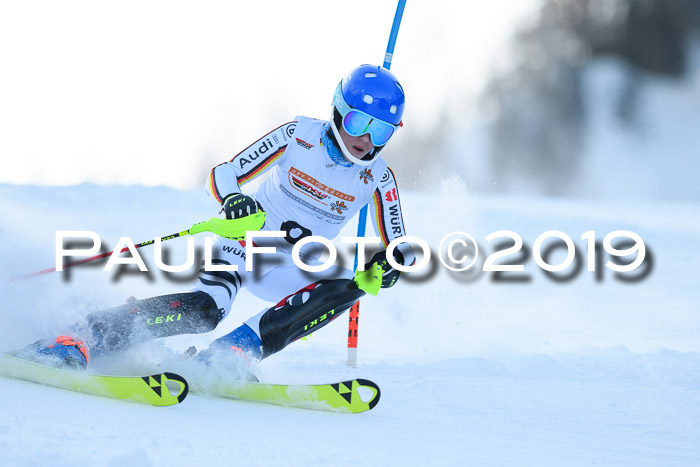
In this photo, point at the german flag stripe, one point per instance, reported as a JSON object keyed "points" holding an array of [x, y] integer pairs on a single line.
{"points": [[403, 226], [262, 167], [379, 213], [212, 186]]}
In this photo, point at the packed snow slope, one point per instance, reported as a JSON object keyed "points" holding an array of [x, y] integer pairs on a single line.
{"points": [[475, 368]]}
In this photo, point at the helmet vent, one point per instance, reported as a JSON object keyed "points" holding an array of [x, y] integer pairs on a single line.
{"points": [[370, 75], [367, 99]]}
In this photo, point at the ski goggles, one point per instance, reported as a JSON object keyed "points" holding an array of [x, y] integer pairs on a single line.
{"points": [[358, 123]]}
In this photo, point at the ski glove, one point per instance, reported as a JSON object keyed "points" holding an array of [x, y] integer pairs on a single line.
{"points": [[389, 275], [239, 205]]}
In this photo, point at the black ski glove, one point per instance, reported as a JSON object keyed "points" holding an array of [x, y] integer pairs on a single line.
{"points": [[239, 205], [389, 275]]}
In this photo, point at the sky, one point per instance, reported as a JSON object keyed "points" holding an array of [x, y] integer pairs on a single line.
{"points": [[158, 92]]}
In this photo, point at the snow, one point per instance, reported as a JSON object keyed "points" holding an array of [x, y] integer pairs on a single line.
{"points": [[472, 371]]}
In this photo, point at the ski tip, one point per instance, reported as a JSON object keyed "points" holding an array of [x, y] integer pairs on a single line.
{"points": [[377, 393], [358, 395], [178, 380]]}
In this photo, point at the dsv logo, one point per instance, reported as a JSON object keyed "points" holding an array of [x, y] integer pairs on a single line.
{"points": [[290, 129], [366, 176], [339, 206]]}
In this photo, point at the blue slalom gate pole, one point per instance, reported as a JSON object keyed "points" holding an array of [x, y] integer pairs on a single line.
{"points": [[362, 219], [389, 56]]}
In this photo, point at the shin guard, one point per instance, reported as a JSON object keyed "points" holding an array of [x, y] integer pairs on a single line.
{"points": [[305, 311], [140, 320]]}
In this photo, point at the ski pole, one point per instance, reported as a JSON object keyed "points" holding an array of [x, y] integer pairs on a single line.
{"points": [[229, 228], [353, 324]]}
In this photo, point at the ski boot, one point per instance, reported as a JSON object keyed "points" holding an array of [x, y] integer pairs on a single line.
{"points": [[64, 352], [234, 351]]}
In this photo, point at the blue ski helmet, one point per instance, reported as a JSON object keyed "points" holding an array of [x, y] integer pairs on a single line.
{"points": [[368, 100]]}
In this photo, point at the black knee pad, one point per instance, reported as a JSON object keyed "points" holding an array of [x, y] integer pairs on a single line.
{"points": [[306, 311], [141, 320]]}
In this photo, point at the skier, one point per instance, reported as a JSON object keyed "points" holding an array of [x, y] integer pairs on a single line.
{"points": [[321, 173]]}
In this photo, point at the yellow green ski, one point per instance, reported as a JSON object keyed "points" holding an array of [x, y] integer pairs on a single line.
{"points": [[164, 389], [353, 396], [153, 389]]}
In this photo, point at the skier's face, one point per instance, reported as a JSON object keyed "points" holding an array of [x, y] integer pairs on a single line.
{"points": [[359, 146]]}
